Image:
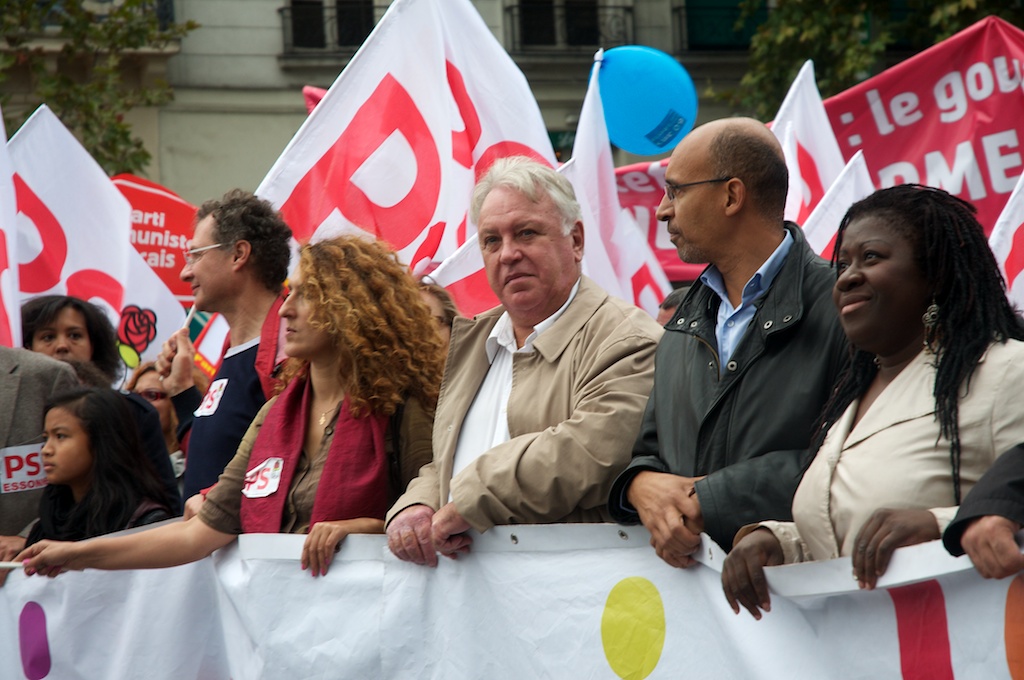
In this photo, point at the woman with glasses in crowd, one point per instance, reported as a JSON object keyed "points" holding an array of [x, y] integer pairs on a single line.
{"points": [[146, 383], [326, 456]]}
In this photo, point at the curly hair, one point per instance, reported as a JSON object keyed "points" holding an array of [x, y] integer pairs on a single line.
{"points": [[39, 312], [951, 251], [241, 216], [444, 298], [370, 306]]}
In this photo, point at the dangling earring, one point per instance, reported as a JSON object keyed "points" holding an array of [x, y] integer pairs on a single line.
{"points": [[930, 319]]}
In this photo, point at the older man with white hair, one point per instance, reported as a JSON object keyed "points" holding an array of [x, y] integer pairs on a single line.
{"points": [[543, 394]]}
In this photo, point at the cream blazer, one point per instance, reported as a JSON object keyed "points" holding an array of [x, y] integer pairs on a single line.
{"points": [[895, 458]]}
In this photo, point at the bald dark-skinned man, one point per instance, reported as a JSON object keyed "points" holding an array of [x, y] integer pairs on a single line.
{"points": [[747, 361]]}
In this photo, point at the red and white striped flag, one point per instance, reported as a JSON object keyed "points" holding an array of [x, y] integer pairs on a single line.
{"points": [[1007, 243], [814, 158]]}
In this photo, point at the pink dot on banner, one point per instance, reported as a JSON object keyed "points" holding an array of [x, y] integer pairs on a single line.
{"points": [[35, 648], [1013, 628]]}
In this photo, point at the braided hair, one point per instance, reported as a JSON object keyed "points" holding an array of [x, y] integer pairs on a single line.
{"points": [[951, 251]]}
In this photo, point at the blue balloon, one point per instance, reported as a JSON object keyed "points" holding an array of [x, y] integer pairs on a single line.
{"points": [[649, 99]]}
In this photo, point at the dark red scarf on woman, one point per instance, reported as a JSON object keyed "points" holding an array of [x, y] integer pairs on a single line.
{"points": [[354, 482]]}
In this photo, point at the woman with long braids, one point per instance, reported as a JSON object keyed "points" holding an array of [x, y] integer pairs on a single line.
{"points": [[328, 455], [930, 399]]}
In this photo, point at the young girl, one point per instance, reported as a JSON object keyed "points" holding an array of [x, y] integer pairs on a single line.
{"points": [[98, 480]]}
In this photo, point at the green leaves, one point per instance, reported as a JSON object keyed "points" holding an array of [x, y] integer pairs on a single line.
{"points": [[89, 67], [849, 41]]}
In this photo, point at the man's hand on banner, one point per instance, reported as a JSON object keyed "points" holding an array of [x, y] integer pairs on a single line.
{"points": [[886, 530], [743, 578], [669, 508], [991, 544], [449, 530], [409, 535]]}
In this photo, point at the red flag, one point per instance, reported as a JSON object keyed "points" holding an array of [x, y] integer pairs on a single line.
{"points": [[161, 229], [948, 117]]}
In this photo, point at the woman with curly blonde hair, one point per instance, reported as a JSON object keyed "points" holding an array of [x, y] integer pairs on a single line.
{"points": [[326, 456]]}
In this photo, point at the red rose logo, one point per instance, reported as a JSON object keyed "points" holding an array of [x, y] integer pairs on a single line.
{"points": [[137, 328]]}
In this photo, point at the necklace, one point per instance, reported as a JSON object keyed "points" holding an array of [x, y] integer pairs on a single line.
{"points": [[323, 417]]}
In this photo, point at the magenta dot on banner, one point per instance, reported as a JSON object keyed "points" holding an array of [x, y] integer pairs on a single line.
{"points": [[35, 648]]}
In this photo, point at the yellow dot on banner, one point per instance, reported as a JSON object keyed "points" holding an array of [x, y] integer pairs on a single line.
{"points": [[1013, 628], [633, 628]]}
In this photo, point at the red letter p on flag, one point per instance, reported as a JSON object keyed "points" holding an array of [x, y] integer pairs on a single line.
{"points": [[42, 273], [328, 185]]}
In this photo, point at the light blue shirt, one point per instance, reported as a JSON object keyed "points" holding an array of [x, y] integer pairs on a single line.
{"points": [[732, 322]]}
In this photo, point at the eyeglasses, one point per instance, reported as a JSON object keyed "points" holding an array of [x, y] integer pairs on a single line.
{"points": [[153, 395], [671, 187], [192, 255]]}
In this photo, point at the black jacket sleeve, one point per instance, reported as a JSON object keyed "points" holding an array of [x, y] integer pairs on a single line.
{"points": [[999, 492], [151, 437]]}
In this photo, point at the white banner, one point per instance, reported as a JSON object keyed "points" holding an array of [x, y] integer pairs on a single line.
{"points": [[528, 602]]}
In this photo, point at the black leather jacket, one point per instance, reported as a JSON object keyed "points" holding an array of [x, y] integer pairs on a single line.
{"points": [[749, 427]]}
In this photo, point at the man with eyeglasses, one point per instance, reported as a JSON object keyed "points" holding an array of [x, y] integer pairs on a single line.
{"points": [[747, 360], [236, 264]]}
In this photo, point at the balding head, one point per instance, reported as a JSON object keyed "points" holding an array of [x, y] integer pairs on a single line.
{"points": [[747, 149]]}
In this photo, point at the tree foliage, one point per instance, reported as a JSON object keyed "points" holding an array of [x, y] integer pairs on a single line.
{"points": [[86, 61], [848, 40]]}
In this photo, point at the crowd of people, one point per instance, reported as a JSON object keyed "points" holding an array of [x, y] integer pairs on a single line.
{"points": [[785, 407]]}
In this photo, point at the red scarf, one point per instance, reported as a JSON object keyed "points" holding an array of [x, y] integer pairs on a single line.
{"points": [[266, 355], [354, 482]]}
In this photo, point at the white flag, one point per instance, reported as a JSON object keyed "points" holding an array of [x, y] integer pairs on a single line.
{"points": [[814, 159], [1007, 243], [617, 254], [462, 275], [394, 148], [853, 184], [10, 318], [74, 238]]}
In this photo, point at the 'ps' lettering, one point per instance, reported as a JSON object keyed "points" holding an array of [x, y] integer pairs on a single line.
{"points": [[31, 464]]}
